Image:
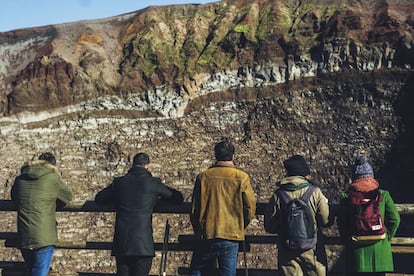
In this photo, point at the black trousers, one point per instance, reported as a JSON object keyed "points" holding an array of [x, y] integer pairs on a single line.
{"points": [[133, 265]]}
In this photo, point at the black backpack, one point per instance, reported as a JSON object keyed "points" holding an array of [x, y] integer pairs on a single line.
{"points": [[298, 227]]}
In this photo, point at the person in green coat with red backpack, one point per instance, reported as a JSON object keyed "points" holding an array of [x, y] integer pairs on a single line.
{"points": [[368, 252]]}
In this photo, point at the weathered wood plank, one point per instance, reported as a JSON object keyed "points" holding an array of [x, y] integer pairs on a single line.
{"points": [[163, 207]]}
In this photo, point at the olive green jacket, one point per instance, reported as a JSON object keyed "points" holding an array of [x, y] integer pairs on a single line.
{"points": [[36, 192], [223, 203]]}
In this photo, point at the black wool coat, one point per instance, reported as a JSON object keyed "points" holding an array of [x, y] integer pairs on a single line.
{"points": [[134, 196]]}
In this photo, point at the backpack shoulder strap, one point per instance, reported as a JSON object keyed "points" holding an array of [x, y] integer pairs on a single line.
{"points": [[282, 194], [379, 195], [306, 196]]}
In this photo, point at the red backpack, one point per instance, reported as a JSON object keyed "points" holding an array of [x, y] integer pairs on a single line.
{"points": [[367, 224]]}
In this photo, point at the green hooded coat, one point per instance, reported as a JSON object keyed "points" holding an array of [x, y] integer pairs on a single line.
{"points": [[378, 256], [36, 192]]}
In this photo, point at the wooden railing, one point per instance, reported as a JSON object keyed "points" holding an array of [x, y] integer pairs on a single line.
{"points": [[400, 245]]}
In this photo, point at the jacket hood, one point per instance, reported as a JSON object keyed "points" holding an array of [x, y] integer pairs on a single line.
{"points": [[293, 183], [36, 169], [365, 184], [294, 180]]}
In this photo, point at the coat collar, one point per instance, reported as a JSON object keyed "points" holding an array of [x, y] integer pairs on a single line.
{"points": [[135, 170], [223, 164], [295, 180]]}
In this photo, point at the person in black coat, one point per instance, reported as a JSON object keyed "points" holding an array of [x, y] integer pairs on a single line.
{"points": [[134, 196]]}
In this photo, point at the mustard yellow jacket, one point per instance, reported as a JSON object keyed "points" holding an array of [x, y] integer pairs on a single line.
{"points": [[223, 203]]}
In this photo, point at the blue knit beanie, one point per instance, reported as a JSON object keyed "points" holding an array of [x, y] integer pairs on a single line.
{"points": [[362, 168]]}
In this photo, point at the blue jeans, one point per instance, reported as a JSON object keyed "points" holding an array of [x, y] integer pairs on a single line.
{"points": [[206, 252], [38, 260]]}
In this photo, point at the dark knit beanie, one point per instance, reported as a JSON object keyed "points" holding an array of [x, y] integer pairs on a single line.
{"points": [[361, 168], [296, 165]]}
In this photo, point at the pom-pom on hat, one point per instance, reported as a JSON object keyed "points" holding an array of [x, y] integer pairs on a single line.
{"points": [[361, 167], [296, 165]]}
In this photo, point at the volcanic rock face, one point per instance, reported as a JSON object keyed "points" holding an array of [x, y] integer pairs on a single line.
{"points": [[320, 78], [164, 57]]}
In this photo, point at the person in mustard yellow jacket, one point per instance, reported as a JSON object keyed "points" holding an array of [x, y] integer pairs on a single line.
{"points": [[223, 203]]}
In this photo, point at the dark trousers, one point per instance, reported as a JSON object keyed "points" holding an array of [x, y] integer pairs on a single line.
{"points": [[133, 265]]}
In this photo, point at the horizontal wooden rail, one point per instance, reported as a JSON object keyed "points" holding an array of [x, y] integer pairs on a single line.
{"points": [[239, 272], [166, 208], [106, 245], [400, 245], [272, 239], [91, 206], [403, 246]]}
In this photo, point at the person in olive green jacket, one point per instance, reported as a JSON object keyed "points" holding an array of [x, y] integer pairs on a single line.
{"points": [[376, 258], [37, 192], [223, 203], [296, 183]]}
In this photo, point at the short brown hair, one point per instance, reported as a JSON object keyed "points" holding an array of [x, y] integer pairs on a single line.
{"points": [[224, 150]]}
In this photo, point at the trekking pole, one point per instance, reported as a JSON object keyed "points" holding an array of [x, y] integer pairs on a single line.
{"points": [[246, 271], [163, 262]]}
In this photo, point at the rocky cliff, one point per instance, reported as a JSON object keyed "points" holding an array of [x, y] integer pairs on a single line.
{"points": [[320, 78], [162, 58]]}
